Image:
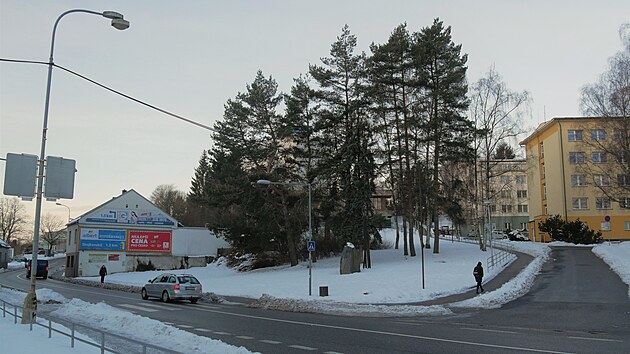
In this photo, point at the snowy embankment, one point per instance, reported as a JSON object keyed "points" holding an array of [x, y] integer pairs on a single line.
{"points": [[103, 317], [617, 255]]}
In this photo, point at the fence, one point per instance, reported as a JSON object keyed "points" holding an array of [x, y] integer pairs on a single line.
{"points": [[502, 252], [106, 342]]}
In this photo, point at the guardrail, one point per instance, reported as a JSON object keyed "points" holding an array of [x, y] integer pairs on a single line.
{"points": [[104, 337]]}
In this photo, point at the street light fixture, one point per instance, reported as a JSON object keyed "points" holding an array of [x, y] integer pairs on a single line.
{"points": [[265, 182], [118, 22], [67, 207]]}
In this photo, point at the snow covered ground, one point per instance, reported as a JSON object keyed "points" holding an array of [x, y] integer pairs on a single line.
{"points": [[388, 288]]}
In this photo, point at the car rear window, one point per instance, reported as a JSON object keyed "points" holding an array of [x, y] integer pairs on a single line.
{"points": [[187, 279]]}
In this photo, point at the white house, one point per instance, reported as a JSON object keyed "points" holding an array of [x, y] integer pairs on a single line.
{"points": [[130, 233]]}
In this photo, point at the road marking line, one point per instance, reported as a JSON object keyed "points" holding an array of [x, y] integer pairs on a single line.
{"points": [[202, 330], [269, 341], [184, 326], [302, 347], [160, 306], [332, 353], [598, 339], [223, 333], [311, 325], [487, 330], [244, 337], [134, 307]]}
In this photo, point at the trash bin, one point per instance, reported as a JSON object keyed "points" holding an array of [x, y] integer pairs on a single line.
{"points": [[323, 291]]}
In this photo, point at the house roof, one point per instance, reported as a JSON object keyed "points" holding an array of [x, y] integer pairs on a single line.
{"points": [[4, 244], [124, 192], [545, 125]]}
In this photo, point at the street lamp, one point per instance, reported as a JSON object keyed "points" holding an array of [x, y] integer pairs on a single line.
{"points": [[118, 22], [265, 182], [67, 207]]}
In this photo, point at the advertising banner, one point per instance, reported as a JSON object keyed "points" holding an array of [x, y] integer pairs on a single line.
{"points": [[102, 240], [149, 241], [130, 216]]}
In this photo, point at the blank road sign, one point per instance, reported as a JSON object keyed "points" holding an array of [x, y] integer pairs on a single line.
{"points": [[20, 174], [59, 177]]}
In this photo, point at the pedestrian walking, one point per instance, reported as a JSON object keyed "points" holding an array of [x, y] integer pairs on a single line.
{"points": [[103, 273], [478, 274]]}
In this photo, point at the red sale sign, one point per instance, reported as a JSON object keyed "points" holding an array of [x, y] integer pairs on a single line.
{"points": [[149, 241]]}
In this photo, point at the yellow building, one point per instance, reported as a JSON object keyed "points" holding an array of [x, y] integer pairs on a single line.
{"points": [[568, 172]]}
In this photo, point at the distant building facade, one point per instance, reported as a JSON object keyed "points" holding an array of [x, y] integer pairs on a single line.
{"points": [[568, 171]]}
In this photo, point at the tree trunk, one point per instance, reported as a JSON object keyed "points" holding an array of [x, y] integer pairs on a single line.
{"points": [[290, 241]]}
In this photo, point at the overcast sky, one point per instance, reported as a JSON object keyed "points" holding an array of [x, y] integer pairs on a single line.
{"points": [[189, 57]]}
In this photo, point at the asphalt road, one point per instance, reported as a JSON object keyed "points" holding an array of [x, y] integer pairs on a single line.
{"points": [[576, 305]]}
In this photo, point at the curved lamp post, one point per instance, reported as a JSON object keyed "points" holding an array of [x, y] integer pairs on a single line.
{"points": [[310, 223], [118, 22], [67, 207]]}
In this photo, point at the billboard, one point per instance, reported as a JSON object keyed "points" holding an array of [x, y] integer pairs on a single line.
{"points": [[130, 216], [149, 241], [102, 239]]}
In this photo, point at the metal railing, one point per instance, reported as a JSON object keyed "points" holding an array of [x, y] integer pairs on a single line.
{"points": [[106, 342], [504, 254]]}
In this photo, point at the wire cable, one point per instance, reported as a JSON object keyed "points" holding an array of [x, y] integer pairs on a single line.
{"points": [[112, 90]]}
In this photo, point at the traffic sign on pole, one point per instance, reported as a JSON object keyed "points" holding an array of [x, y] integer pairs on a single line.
{"points": [[310, 246]]}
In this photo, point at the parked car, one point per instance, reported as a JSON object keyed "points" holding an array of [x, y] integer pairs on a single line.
{"points": [[42, 268], [169, 286], [498, 234], [519, 235]]}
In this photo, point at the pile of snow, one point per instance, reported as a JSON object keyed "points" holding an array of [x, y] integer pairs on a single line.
{"points": [[618, 258], [107, 318]]}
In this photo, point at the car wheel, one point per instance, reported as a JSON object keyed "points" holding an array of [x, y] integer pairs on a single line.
{"points": [[193, 301], [144, 294], [165, 297]]}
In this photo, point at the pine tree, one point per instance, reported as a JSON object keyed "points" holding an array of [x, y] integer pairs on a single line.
{"points": [[347, 162], [442, 71]]}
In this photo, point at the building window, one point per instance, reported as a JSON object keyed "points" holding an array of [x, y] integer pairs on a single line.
{"points": [[623, 180], [598, 135], [626, 225], [505, 179], [522, 208], [542, 150], [521, 193], [599, 157], [543, 171], [624, 203], [575, 135], [602, 203], [493, 208], [544, 192], [506, 208], [577, 157], [619, 135], [521, 179], [578, 180], [601, 180], [507, 226], [580, 203], [506, 194], [523, 226]]}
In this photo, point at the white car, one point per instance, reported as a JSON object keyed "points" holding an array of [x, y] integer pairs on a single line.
{"points": [[496, 234]]}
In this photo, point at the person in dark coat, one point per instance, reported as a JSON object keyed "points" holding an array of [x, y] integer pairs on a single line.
{"points": [[478, 273], [102, 273]]}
